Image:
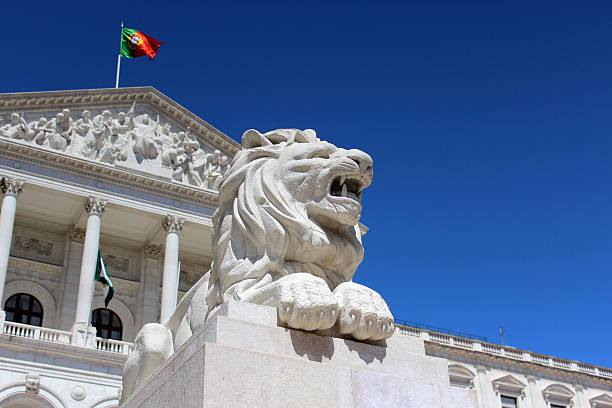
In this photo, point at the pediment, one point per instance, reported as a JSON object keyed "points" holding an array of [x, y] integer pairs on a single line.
{"points": [[509, 385], [557, 393], [460, 376], [460, 371], [135, 129], [601, 401]]}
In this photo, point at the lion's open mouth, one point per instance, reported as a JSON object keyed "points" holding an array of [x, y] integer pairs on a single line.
{"points": [[349, 186]]}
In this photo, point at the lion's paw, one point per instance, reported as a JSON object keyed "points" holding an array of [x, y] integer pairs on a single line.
{"points": [[305, 302], [363, 313]]}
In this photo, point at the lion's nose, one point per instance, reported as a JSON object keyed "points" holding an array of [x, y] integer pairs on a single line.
{"points": [[363, 160]]}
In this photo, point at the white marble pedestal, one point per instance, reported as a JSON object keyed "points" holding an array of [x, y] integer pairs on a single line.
{"points": [[242, 359]]}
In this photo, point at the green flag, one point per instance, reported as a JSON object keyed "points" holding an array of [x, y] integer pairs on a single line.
{"points": [[104, 279]]}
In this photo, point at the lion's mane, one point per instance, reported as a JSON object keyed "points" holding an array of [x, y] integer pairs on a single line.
{"points": [[259, 232]]}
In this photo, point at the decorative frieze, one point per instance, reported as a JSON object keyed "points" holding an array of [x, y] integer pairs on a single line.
{"points": [[173, 223], [189, 278], [10, 186], [76, 234], [33, 245], [121, 98], [95, 206], [122, 138], [116, 263], [152, 251]]}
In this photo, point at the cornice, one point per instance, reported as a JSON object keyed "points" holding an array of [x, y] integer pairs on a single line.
{"points": [[15, 150], [120, 97], [530, 366]]}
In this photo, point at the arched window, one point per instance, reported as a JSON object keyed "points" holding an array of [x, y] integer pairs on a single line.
{"points": [[107, 323], [24, 308]]}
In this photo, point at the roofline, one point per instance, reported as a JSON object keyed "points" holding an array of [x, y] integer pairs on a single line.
{"points": [[15, 100]]}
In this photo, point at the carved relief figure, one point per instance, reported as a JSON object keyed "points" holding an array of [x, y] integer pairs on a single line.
{"points": [[185, 166], [83, 142], [109, 140], [40, 129], [58, 131], [143, 137], [16, 129], [285, 234]]}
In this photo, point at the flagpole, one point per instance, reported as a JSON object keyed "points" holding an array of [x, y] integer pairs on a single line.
{"points": [[119, 57]]}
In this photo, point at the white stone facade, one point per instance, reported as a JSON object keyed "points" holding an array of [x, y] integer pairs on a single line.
{"points": [[45, 218]]}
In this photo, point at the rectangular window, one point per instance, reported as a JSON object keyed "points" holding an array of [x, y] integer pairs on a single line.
{"points": [[508, 402], [557, 406]]}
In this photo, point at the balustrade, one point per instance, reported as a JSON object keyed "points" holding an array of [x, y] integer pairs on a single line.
{"points": [[504, 351], [61, 337]]}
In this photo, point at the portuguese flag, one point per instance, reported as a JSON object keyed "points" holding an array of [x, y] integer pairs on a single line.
{"points": [[136, 44]]}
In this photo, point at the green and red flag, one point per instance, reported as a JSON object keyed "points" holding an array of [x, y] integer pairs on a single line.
{"points": [[102, 276], [136, 44]]}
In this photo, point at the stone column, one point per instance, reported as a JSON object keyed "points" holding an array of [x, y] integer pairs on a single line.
{"points": [[173, 225], [81, 333], [150, 276], [75, 238], [11, 189]]}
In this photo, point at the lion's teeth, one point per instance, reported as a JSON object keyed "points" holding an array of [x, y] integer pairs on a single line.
{"points": [[344, 192], [342, 179]]}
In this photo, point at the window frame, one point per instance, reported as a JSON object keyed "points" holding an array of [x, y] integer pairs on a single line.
{"points": [[30, 313], [109, 327], [503, 405]]}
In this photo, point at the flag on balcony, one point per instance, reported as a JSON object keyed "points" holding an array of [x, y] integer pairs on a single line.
{"points": [[104, 279]]}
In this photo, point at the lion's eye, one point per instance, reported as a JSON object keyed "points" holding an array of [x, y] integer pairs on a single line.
{"points": [[319, 155]]}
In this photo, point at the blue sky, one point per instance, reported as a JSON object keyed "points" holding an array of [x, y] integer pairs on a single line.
{"points": [[489, 126]]}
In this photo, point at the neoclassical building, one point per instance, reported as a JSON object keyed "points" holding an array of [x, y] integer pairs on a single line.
{"points": [[135, 174]]}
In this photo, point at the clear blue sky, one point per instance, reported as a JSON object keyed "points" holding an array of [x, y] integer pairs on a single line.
{"points": [[490, 127]]}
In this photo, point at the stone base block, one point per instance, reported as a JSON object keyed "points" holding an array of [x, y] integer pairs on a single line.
{"points": [[240, 358]]}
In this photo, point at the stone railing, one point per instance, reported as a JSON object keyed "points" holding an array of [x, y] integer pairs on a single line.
{"points": [[36, 333], [61, 337], [113, 346], [504, 351]]}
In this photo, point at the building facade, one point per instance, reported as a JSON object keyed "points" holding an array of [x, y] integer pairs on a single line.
{"points": [[132, 172]]}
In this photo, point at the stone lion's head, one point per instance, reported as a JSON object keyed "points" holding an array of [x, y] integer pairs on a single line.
{"points": [[289, 203]]}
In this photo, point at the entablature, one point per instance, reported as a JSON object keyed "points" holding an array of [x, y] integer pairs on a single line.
{"points": [[136, 135]]}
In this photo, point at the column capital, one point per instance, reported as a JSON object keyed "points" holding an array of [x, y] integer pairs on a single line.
{"points": [[10, 186], [152, 251], [172, 223], [95, 205]]}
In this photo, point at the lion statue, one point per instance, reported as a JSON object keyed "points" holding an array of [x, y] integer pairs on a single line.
{"points": [[286, 234]]}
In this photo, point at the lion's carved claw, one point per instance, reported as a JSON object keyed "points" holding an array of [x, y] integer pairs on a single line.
{"points": [[364, 314], [305, 302]]}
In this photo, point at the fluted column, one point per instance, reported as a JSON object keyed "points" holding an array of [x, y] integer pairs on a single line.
{"points": [[173, 225], [11, 189], [94, 207]]}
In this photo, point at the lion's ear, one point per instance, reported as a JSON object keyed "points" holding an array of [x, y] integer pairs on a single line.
{"points": [[252, 138]]}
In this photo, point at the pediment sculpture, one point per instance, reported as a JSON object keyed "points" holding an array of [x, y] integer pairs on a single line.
{"points": [[123, 139]]}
